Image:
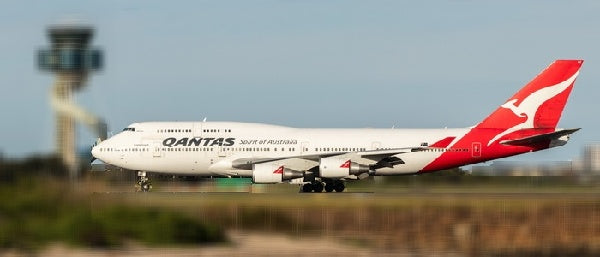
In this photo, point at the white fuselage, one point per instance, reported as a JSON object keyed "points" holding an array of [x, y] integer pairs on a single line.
{"points": [[273, 154], [209, 148]]}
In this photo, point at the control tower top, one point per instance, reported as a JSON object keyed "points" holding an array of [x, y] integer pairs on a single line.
{"points": [[70, 36], [70, 51]]}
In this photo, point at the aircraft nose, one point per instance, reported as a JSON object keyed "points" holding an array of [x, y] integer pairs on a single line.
{"points": [[98, 149], [95, 152]]}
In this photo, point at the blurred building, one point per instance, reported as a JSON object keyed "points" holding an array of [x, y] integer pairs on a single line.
{"points": [[586, 165], [591, 159]]}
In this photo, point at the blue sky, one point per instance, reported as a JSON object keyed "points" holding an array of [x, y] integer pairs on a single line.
{"points": [[301, 63]]}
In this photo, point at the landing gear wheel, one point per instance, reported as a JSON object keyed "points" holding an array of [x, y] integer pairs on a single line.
{"points": [[307, 188], [329, 187], [339, 186], [317, 187]]}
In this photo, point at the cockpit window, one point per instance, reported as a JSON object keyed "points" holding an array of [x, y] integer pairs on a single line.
{"points": [[129, 129]]}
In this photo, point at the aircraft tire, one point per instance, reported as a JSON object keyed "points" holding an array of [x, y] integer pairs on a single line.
{"points": [[329, 187], [307, 188], [339, 186], [317, 187], [145, 186]]}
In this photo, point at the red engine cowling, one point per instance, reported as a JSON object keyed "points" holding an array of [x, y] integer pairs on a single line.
{"points": [[266, 173], [334, 167]]}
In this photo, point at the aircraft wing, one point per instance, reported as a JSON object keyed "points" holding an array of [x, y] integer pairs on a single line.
{"points": [[375, 158], [377, 155], [310, 160]]}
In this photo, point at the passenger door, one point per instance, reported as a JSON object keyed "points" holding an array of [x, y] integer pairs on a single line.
{"points": [[156, 149], [303, 148], [476, 149], [197, 130]]}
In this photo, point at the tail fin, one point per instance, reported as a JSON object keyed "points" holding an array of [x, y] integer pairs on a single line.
{"points": [[540, 103]]}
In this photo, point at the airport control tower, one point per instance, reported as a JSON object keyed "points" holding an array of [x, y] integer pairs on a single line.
{"points": [[71, 59]]}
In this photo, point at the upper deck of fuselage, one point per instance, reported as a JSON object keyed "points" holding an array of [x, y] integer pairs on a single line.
{"points": [[241, 128]]}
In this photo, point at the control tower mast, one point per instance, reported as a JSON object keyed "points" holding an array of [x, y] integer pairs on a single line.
{"points": [[70, 59]]}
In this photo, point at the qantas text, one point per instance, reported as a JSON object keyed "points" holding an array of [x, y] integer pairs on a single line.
{"points": [[198, 141]]}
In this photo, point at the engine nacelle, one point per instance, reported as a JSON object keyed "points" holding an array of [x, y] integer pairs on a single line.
{"points": [[265, 173], [339, 168]]}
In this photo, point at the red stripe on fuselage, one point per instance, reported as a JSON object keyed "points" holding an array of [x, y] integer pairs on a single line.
{"points": [[453, 159], [444, 142]]}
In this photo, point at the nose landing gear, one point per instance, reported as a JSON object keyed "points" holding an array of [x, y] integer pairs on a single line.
{"points": [[144, 184]]}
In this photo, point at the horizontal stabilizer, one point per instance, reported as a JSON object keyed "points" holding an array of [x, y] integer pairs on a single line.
{"points": [[539, 138]]}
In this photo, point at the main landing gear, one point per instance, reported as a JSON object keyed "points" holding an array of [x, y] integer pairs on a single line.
{"points": [[144, 182], [318, 186]]}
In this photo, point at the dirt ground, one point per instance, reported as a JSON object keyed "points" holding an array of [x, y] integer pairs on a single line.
{"points": [[243, 243]]}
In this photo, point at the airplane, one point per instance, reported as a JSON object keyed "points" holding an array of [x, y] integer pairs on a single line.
{"points": [[323, 159]]}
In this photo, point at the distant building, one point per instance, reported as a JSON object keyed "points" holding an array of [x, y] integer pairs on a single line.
{"points": [[591, 159], [587, 165]]}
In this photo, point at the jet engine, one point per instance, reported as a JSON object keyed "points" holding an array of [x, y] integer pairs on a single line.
{"points": [[333, 167], [265, 173]]}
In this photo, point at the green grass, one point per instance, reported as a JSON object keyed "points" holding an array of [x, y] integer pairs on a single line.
{"points": [[34, 213]]}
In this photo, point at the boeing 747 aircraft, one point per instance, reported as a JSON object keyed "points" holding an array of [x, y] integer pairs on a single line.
{"points": [[320, 159]]}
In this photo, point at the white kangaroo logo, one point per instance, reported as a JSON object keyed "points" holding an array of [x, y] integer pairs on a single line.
{"points": [[531, 103]]}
